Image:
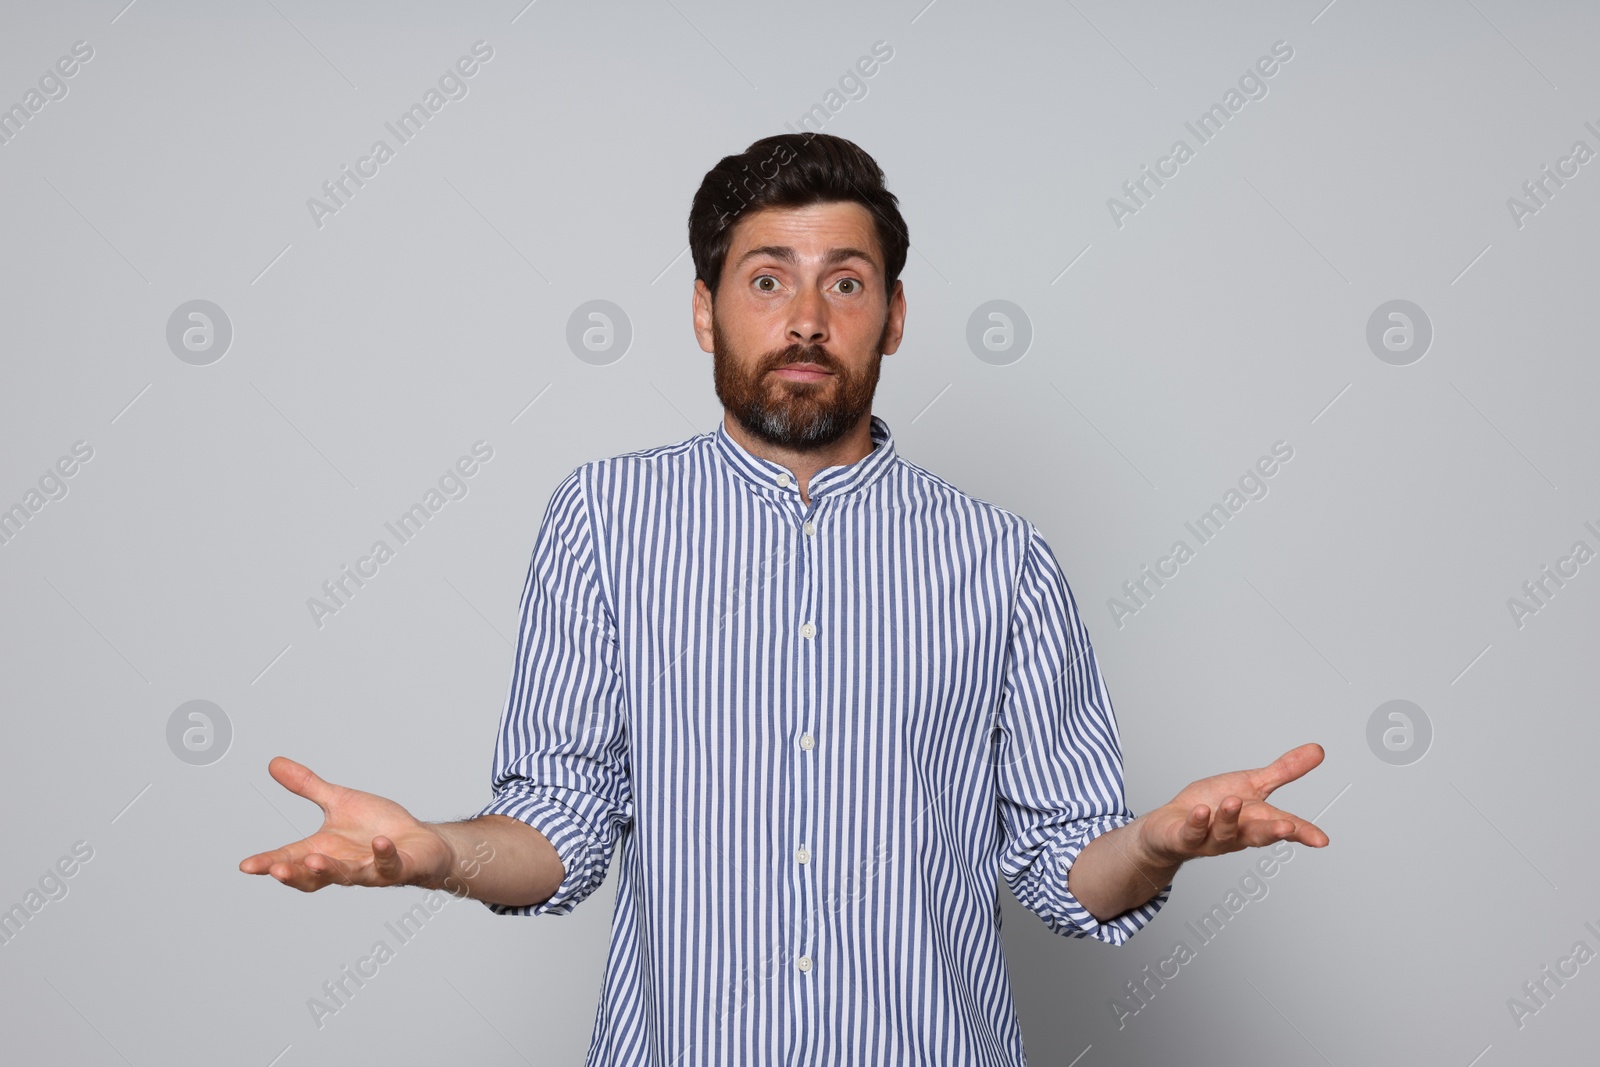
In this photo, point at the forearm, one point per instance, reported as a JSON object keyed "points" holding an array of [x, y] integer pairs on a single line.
{"points": [[1114, 872], [500, 860]]}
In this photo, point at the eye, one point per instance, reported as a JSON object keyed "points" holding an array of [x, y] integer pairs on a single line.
{"points": [[851, 282], [765, 278]]}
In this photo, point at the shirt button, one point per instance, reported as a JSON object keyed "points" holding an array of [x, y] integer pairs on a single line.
{"points": [[783, 480], [810, 528], [807, 742], [804, 963], [803, 856], [808, 630]]}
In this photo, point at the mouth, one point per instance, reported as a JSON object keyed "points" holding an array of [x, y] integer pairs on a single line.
{"points": [[803, 372]]}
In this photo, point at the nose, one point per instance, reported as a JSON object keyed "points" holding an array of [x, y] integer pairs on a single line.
{"points": [[808, 322]]}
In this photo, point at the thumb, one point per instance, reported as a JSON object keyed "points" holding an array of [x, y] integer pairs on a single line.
{"points": [[299, 779], [1289, 766]]}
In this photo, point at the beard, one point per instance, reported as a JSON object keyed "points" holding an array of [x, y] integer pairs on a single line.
{"points": [[791, 414]]}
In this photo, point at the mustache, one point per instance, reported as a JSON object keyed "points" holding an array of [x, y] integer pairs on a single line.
{"points": [[802, 354]]}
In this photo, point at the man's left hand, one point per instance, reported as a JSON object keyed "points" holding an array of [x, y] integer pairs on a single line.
{"points": [[1228, 812]]}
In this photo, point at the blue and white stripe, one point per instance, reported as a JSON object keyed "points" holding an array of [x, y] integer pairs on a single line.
{"points": [[821, 734]]}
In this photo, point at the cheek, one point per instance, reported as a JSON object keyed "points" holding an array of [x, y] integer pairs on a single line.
{"points": [[863, 328], [755, 328], [742, 344]]}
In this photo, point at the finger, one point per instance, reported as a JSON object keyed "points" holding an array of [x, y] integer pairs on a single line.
{"points": [[301, 780], [1225, 827], [1258, 833], [386, 861], [1302, 830], [1195, 828], [298, 876], [1287, 767], [263, 862], [329, 869], [260, 863], [1308, 833], [1274, 825]]}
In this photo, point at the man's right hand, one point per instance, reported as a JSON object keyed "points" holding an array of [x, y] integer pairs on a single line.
{"points": [[365, 840]]}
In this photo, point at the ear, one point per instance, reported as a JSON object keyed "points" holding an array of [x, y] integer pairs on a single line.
{"points": [[700, 307], [894, 328]]}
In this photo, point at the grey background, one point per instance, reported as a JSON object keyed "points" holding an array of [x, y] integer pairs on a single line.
{"points": [[431, 312]]}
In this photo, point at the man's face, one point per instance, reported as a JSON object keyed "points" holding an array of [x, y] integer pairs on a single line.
{"points": [[800, 323]]}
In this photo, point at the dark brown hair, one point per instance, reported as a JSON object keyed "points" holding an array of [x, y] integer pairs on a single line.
{"points": [[792, 170]]}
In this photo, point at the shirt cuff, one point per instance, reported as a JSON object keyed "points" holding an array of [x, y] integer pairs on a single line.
{"points": [[566, 834], [1117, 929]]}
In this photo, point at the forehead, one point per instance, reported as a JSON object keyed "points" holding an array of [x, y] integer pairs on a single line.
{"points": [[810, 230]]}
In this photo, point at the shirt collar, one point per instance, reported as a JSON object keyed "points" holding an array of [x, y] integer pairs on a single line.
{"points": [[843, 478]]}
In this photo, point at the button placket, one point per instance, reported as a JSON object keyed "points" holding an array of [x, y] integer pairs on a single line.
{"points": [[806, 812]]}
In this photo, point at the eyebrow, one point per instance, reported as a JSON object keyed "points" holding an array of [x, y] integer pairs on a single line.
{"points": [[786, 254]]}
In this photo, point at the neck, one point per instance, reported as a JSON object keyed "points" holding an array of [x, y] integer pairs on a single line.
{"points": [[855, 445]]}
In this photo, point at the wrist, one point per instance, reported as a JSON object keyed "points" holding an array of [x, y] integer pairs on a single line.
{"points": [[1149, 854], [444, 873]]}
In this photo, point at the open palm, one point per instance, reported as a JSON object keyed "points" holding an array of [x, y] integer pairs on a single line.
{"points": [[365, 840], [1229, 812]]}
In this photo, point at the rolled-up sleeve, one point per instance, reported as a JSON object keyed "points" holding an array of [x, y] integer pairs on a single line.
{"points": [[1059, 756], [561, 757]]}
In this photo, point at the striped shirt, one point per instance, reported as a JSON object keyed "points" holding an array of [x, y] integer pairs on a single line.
{"points": [[820, 733]]}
